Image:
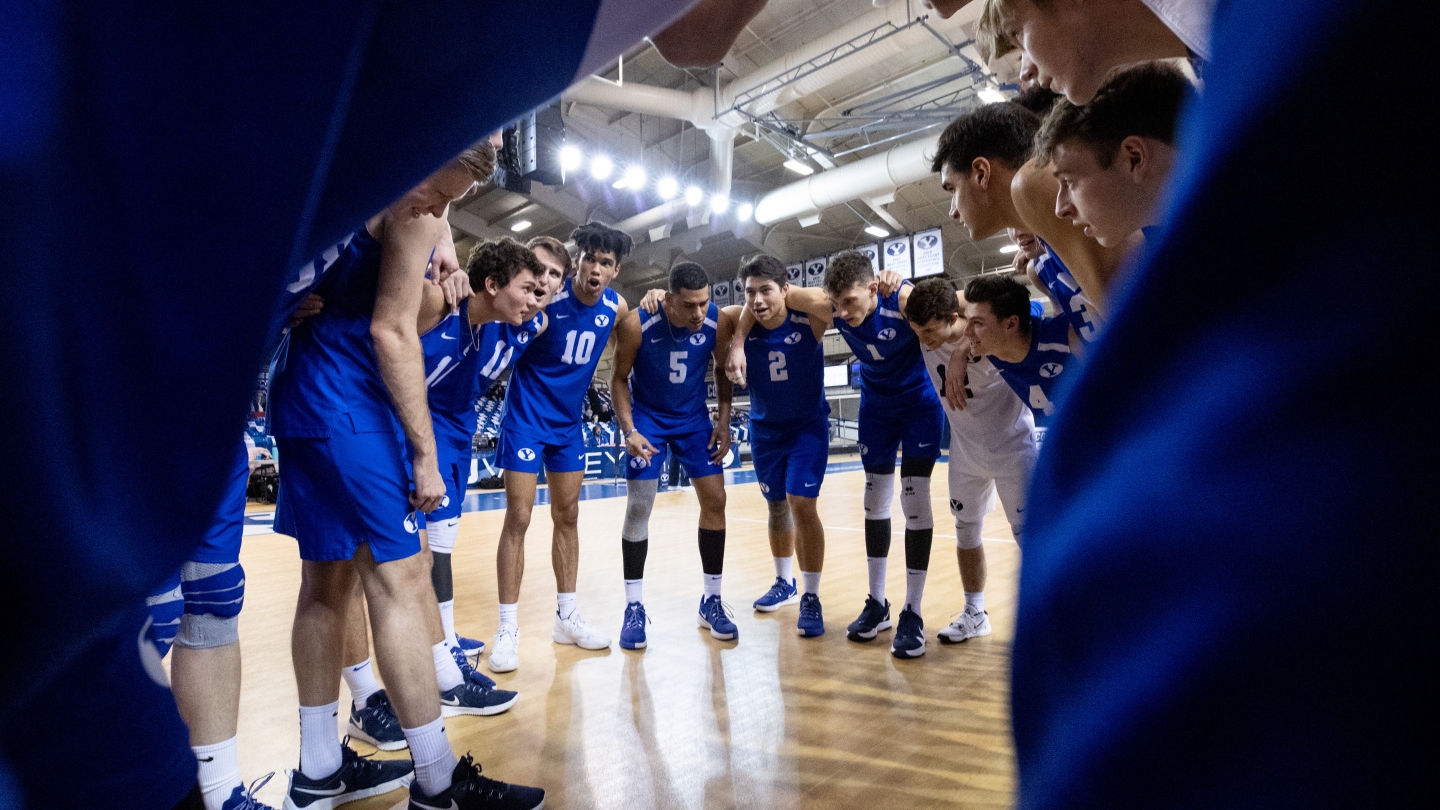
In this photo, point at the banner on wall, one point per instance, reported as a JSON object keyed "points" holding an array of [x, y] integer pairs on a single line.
{"points": [[871, 252], [929, 253], [795, 274], [720, 293], [898, 258], [815, 272]]}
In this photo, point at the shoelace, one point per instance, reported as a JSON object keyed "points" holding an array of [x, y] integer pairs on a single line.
{"points": [[474, 784], [636, 618], [255, 786], [810, 608], [779, 588], [724, 608], [505, 631]]}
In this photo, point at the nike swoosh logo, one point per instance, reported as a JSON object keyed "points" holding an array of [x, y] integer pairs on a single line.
{"points": [[656, 340], [812, 485], [451, 806], [336, 792], [447, 337], [747, 340], [925, 444], [450, 702], [558, 317]]}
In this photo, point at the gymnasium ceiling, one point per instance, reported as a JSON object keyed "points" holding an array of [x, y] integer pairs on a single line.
{"points": [[908, 90]]}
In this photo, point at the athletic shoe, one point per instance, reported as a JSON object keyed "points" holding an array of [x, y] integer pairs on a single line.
{"points": [[632, 632], [573, 630], [970, 624], [471, 646], [470, 791], [780, 594], [811, 622], [505, 655], [358, 778], [874, 617], [714, 614], [243, 798], [472, 698], [377, 724], [909, 635], [471, 674]]}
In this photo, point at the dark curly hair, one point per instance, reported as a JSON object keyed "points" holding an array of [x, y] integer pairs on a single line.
{"points": [[932, 299], [847, 269], [500, 259], [595, 236]]}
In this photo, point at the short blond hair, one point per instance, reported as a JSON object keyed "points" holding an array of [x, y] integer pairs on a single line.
{"points": [[990, 38], [479, 161]]}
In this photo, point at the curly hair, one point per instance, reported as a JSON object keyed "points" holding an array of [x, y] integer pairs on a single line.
{"points": [[500, 260], [847, 269], [932, 299], [597, 236]]}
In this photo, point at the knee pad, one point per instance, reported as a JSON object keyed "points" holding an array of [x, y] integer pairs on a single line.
{"points": [[967, 535], [780, 518], [165, 609], [879, 492], [639, 501], [442, 534], [915, 500], [214, 594]]}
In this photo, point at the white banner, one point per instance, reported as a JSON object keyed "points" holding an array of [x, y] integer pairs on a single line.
{"points": [[815, 272], [720, 293], [871, 252], [897, 256], [795, 274], [929, 253]]}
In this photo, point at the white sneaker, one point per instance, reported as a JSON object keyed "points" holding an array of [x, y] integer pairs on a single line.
{"points": [[505, 655], [574, 630], [970, 624]]}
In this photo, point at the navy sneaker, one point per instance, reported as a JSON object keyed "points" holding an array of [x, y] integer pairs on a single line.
{"points": [[243, 798], [470, 791], [874, 617], [471, 646], [714, 614], [377, 723], [780, 594], [358, 778], [632, 632], [811, 622], [468, 670], [472, 698], [909, 635]]}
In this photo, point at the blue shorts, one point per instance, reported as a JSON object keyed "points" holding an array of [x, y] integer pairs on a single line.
{"points": [[522, 453], [221, 543], [690, 444], [790, 461], [919, 426], [454, 461], [348, 489]]}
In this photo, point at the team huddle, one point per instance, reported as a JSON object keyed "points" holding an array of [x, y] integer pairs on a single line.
{"points": [[392, 343]]}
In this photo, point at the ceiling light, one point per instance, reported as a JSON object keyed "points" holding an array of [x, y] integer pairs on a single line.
{"points": [[798, 167], [634, 177], [1010, 249], [693, 195], [744, 212], [570, 158], [600, 167], [522, 225], [876, 231], [719, 203], [667, 187], [991, 96]]}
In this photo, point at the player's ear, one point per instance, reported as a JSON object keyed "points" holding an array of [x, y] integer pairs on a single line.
{"points": [[1134, 157], [980, 173], [491, 286]]}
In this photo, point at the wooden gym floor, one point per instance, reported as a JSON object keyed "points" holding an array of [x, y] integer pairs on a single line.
{"points": [[769, 721]]}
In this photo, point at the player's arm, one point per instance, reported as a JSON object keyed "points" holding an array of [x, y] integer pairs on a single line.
{"points": [[620, 313], [405, 251], [1034, 279], [724, 392], [434, 305], [627, 339], [735, 358], [810, 300], [954, 393], [1094, 266]]}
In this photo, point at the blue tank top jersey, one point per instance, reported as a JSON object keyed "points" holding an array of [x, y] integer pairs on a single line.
{"points": [[1075, 306], [1034, 378], [452, 352], [892, 369], [668, 380], [547, 389], [329, 378], [500, 345], [786, 373]]}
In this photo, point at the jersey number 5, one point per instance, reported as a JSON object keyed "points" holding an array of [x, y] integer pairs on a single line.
{"points": [[777, 367], [677, 366], [578, 351]]}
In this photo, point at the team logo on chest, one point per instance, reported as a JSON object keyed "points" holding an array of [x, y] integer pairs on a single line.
{"points": [[1050, 370], [792, 338], [522, 338], [886, 334], [602, 319], [697, 339]]}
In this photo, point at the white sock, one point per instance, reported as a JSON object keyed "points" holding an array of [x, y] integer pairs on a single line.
{"points": [[447, 672], [712, 585], [320, 740], [633, 590], [975, 601], [447, 621], [510, 614], [219, 771], [812, 581], [361, 681], [784, 567], [877, 566], [914, 588], [566, 603], [434, 760]]}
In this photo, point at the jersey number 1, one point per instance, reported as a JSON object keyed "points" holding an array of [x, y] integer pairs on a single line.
{"points": [[578, 351]]}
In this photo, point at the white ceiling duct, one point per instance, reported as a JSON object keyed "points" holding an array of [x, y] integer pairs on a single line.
{"points": [[873, 176]]}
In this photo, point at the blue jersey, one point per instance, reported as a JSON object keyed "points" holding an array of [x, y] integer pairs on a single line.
{"points": [[786, 373], [462, 361], [1075, 306], [891, 367], [547, 390], [668, 380], [1034, 378]]}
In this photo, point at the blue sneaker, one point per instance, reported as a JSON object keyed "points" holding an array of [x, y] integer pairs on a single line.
{"points": [[471, 646], [470, 791], [377, 724], [472, 698], [243, 798], [632, 632], [468, 670], [909, 635], [780, 594], [811, 622], [714, 614], [874, 617], [358, 778]]}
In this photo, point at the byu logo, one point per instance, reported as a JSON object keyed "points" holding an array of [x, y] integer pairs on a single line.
{"points": [[1050, 370], [864, 449], [697, 339], [526, 454], [792, 338], [926, 242], [815, 269], [764, 487], [638, 462], [895, 249], [410, 525], [445, 501], [886, 334], [522, 338], [792, 273], [956, 505], [602, 319]]}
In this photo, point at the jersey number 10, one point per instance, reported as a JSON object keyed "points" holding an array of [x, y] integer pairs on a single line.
{"points": [[578, 351]]}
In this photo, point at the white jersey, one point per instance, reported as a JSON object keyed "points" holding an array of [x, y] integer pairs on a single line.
{"points": [[995, 430]]}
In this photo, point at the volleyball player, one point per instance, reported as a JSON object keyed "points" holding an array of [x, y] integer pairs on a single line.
{"points": [[1030, 352]]}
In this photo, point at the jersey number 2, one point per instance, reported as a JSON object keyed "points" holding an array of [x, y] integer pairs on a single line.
{"points": [[777, 367], [578, 351]]}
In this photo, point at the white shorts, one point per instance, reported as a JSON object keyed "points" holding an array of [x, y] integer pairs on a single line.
{"points": [[973, 487]]}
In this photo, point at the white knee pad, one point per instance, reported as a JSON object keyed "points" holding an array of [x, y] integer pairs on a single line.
{"points": [[214, 594], [639, 501], [967, 535], [442, 534], [915, 500], [879, 492]]}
